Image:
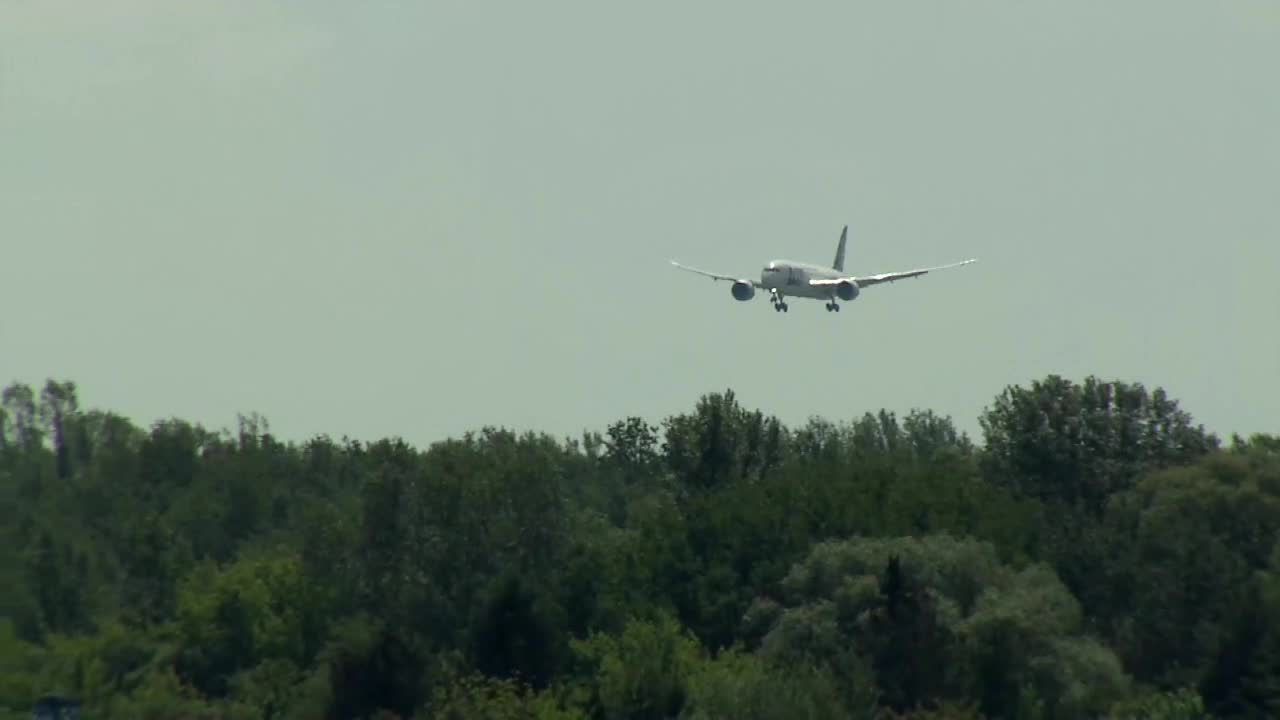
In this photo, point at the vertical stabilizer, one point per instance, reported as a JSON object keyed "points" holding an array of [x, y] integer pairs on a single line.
{"points": [[839, 263]]}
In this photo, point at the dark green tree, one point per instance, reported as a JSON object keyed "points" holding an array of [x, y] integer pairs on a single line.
{"points": [[58, 575], [1078, 444], [720, 442], [517, 634], [153, 559], [1243, 680], [58, 409], [632, 446], [369, 667], [908, 645], [20, 405]]}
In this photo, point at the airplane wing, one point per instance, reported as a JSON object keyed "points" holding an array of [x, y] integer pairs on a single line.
{"points": [[715, 276], [890, 276]]}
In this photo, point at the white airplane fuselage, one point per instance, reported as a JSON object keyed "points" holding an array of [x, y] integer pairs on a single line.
{"points": [[787, 277]]}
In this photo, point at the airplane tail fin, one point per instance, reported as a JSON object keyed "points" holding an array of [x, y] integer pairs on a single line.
{"points": [[839, 263]]}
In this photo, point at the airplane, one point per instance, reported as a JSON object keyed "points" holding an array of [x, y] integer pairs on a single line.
{"points": [[783, 278]]}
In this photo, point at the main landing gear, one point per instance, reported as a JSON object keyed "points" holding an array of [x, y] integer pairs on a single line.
{"points": [[779, 305], [833, 306]]}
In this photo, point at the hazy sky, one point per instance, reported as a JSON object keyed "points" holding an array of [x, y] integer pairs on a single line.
{"points": [[418, 218]]}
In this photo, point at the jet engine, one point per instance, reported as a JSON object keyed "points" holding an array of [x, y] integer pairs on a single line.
{"points": [[743, 290], [847, 290]]}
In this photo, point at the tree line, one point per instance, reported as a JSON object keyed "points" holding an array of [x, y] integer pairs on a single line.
{"points": [[1098, 554]]}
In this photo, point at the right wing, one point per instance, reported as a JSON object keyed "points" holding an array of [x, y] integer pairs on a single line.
{"points": [[895, 276], [715, 276]]}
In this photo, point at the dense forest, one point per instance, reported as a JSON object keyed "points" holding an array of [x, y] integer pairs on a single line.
{"points": [[1097, 554]]}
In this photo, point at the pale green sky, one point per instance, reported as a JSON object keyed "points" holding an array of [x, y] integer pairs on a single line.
{"points": [[414, 219]]}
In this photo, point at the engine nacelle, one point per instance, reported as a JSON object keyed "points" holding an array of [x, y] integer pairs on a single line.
{"points": [[743, 291], [847, 290]]}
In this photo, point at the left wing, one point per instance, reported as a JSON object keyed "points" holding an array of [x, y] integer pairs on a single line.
{"points": [[715, 276], [889, 276]]}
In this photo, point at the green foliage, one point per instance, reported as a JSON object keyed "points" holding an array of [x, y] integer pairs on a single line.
{"points": [[743, 685], [21, 430], [1077, 444], [641, 674], [1184, 543], [1181, 704], [476, 697], [517, 634], [1243, 679], [944, 620], [57, 575], [163, 696], [231, 620], [715, 564], [367, 668], [944, 711], [18, 660], [153, 558], [268, 690]]}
